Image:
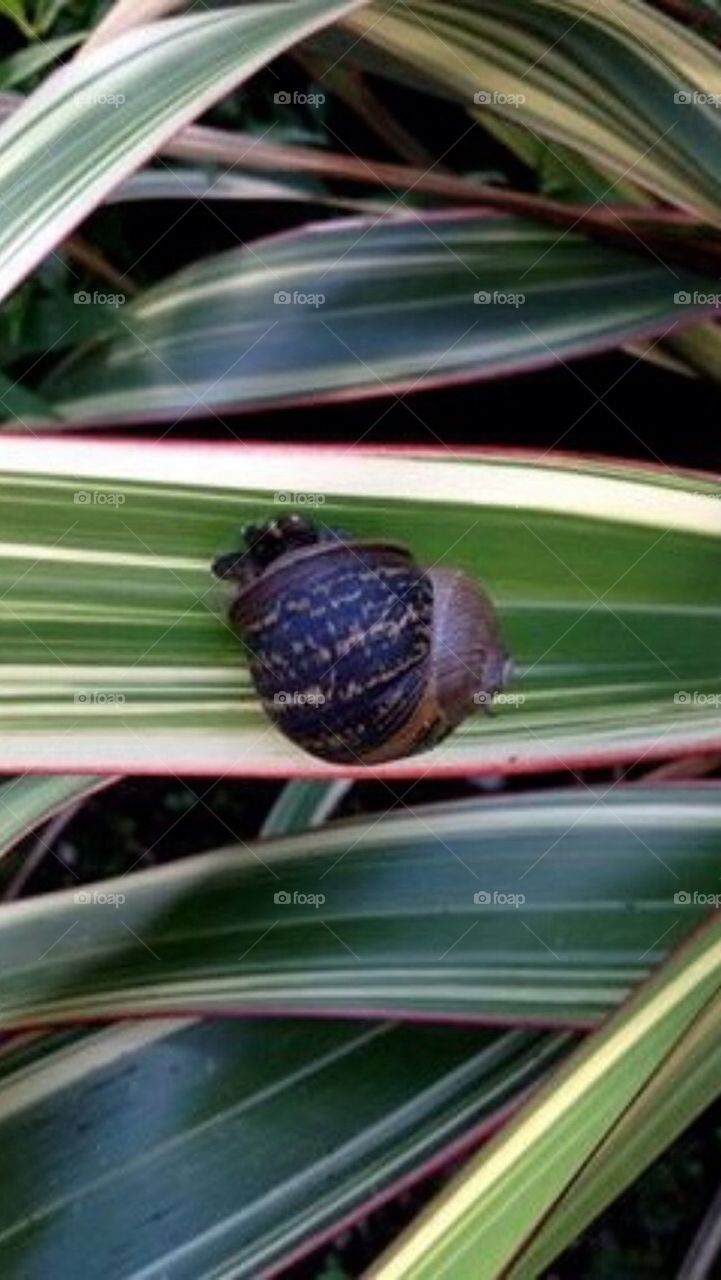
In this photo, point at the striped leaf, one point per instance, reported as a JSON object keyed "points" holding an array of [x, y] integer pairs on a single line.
{"points": [[684, 1085], [543, 909], [28, 801], [601, 79], [117, 657], [343, 308], [221, 1149], [198, 184], [478, 1226], [100, 117]]}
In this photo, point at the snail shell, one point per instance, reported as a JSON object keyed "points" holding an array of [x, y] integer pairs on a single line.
{"points": [[357, 653]]}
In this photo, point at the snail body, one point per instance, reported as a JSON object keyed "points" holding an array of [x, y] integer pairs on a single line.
{"points": [[358, 654]]}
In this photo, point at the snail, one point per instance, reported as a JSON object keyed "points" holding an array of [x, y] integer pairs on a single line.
{"points": [[358, 654]]}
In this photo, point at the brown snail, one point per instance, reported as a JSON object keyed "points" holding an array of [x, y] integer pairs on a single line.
{"points": [[359, 655]]}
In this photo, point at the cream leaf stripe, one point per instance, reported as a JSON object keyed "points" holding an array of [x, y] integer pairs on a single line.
{"points": [[346, 475]]}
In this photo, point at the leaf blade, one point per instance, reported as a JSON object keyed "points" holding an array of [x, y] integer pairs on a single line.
{"points": [[227, 1108], [504, 1194], [98, 119], [340, 309], [420, 917], [606, 579]]}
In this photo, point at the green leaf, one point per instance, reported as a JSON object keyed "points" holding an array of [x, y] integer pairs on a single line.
{"points": [[221, 1149], [26, 802], [302, 805], [16, 11], [601, 80], [606, 580], [685, 1084], [543, 909], [98, 119], [483, 1219], [209, 184], [23, 405], [343, 307], [34, 59]]}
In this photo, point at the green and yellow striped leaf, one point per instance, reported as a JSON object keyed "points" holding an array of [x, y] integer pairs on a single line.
{"points": [[117, 657], [680, 1090], [479, 1225], [544, 909], [601, 79]]}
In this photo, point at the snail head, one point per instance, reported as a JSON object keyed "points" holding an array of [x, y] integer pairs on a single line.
{"points": [[265, 543]]}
